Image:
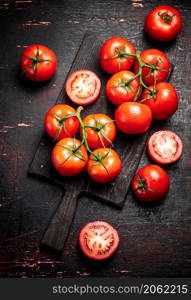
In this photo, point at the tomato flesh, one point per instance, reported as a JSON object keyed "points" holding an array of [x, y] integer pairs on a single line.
{"points": [[165, 147], [98, 240], [83, 87]]}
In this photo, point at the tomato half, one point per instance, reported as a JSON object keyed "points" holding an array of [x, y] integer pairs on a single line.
{"points": [[38, 63], [113, 55], [121, 88], [68, 158], [83, 87], [165, 101], [98, 240], [164, 147], [163, 23], [157, 58], [58, 128], [107, 168], [133, 117], [151, 183], [101, 131]]}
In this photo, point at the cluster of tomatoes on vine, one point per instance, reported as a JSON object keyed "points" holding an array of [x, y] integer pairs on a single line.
{"points": [[138, 89]]}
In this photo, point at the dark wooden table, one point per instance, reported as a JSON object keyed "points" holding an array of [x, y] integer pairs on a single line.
{"points": [[155, 239]]}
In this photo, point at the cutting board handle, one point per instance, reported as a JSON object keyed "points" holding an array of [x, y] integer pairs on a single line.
{"points": [[58, 229]]}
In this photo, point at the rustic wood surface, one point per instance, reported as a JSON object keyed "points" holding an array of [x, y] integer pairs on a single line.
{"points": [[130, 149], [155, 239]]}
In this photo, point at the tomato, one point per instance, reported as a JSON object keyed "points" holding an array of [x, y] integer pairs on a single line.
{"points": [[38, 63], [83, 87], [98, 240], [151, 183], [67, 158], [102, 130], [133, 117], [163, 23], [58, 128], [157, 58], [164, 147], [107, 168], [119, 89], [113, 55], [165, 101]]}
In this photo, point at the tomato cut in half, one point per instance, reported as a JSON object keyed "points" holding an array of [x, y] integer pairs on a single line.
{"points": [[83, 87], [164, 147], [98, 240]]}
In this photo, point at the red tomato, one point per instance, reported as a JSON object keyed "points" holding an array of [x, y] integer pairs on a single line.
{"points": [[38, 63], [151, 183], [133, 117], [113, 55], [58, 128], [156, 58], [67, 158], [164, 147], [102, 130], [83, 87], [119, 89], [165, 103], [163, 23], [107, 168], [98, 240]]}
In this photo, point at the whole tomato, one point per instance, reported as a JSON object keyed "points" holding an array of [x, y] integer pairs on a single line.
{"points": [[153, 58], [121, 87], [107, 168], [38, 63], [58, 128], [133, 117], [114, 55], [164, 103], [163, 23], [151, 183], [100, 130], [68, 157]]}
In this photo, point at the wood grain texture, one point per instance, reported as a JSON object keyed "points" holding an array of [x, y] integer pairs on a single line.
{"points": [[155, 240], [130, 149]]}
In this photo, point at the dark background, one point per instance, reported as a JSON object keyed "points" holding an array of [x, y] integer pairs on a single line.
{"points": [[155, 240]]}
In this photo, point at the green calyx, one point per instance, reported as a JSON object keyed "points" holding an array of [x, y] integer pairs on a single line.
{"points": [[35, 62], [166, 17]]}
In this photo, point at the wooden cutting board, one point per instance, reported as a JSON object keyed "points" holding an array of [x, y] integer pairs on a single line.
{"points": [[130, 149]]}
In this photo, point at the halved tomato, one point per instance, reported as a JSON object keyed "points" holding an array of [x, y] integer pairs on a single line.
{"points": [[83, 87], [164, 147], [98, 240]]}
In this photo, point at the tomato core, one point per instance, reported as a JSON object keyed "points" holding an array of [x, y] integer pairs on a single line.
{"points": [[98, 239], [83, 86], [165, 146]]}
